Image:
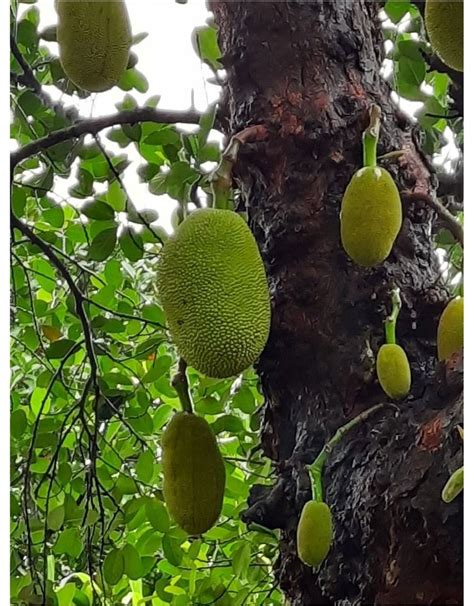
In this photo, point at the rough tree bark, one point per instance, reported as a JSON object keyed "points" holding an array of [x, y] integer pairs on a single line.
{"points": [[308, 72]]}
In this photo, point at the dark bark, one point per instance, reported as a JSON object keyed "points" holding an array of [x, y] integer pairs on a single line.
{"points": [[309, 71]]}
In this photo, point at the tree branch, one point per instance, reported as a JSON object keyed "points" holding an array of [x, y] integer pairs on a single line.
{"points": [[443, 213], [95, 125]]}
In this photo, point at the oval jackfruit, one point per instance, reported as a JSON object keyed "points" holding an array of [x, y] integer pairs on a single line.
{"points": [[371, 216], [444, 22], [214, 292], [94, 38], [314, 533], [193, 473], [451, 329], [393, 371]]}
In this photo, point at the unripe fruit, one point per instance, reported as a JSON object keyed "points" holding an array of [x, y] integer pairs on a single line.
{"points": [[453, 486], [214, 292], [393, 371], [94, 38], [444, 24], [314, 533], [193, 473], [451, 329], [371, 216]]}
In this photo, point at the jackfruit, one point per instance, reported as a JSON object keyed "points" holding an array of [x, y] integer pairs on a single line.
{"points": [[94, 38], [454, 486], [371, 216], [314, 533], [444, 22], [451, 329], [393, 371], [193, 473], [214, 292]]}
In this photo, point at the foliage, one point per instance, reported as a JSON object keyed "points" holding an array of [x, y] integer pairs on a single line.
{"points": [[91, 360]]}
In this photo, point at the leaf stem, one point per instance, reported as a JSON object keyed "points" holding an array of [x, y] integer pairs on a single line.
{"points": [[317, 468], [391, 320], [180, 383], [371, 136]]}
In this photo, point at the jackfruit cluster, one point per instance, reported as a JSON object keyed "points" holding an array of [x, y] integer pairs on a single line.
{"points": [[371, 216], [314, 533], [214, 292], [193, 473], [393, 371], [94, 39], [451, 329], [444, 22]]}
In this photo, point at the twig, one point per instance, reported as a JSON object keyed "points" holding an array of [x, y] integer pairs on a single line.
{"points": [[95, 125], [443, 213]]}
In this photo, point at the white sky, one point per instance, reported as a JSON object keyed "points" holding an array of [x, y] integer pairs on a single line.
{"points": [[172, 68]]}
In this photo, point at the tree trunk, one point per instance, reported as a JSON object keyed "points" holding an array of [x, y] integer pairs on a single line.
{"points": [[308, 72]]}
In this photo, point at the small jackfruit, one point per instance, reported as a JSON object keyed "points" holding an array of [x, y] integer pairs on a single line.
{"points": [[444, 22], [94, 38], [314, 533], [393, 371], [454, 486], [214, 292], [371, 216], [451, 329], [193, 473]]}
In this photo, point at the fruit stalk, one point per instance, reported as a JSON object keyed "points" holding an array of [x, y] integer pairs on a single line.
{"points": [[371, 136], [180, 383], [317, 468], [391, 320]]}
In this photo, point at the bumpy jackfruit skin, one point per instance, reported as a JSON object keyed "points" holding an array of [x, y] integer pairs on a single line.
{"points": [[314, 533], [451, 329], [193, 473], [94, 40], [371, 216], [214, 292], [393, 371], [444, 22]]}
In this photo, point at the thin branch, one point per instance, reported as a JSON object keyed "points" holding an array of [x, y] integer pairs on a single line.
{"points": [[95, 125], [78, 296], [443, 213]]}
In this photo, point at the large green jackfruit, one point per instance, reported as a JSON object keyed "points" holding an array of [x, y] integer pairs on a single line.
{"points": [[393, 371], [193, 473], [214, 292], [314, 533], [444, 22], [371, 216], [94, 38], [451, 329]]}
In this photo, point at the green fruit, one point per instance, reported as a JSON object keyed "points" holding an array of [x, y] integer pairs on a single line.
{"points": [[444, 24], [94, 40], [371, 216], [451, 329], [314, 533], [214, 292], [393, 371], [193, 473], [453, 486]]}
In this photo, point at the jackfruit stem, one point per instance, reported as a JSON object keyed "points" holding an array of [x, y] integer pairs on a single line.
{"points": [[317, 468], [221, 181], [371, 136], [180, 383], [391, 320]]}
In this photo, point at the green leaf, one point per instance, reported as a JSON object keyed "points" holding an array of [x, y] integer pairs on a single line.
{"points": [[206, 46], [157, 514], [56, 518], [396, 9], [131, 244], [228, 423], [103, 244], [116, 196], [241, 560], [172, 551], [69, 542], [144, 466], [97, 209], [114, 566], [59, 349], [244, 400], [18, 423], [132, 562]]}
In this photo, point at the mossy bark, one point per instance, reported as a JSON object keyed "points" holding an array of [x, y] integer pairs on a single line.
{"points": [[308, 72]]}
